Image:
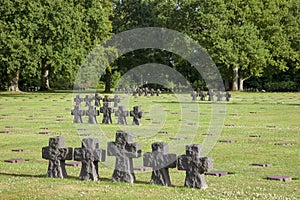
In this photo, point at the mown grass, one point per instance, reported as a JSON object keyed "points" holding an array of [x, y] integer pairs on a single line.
{"points": [[272, 116]]}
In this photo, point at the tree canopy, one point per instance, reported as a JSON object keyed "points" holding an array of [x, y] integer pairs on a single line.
{"points": [[44, 42]]}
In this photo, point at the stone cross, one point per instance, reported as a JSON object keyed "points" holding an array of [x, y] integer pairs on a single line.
{"points": [[146, 90], [106, 110], [124, 150], [202, 96], [106, 99], [160, 161], [97, 98], [77, 114], [152, 92], [121, 113], [227, 96], [194, 95], [140, 91], [158, 92], [92, 113], [57, 153], [89, 154], [137, 115], [116, 101], [88, 100], [78, 100], [195, 166], [210, 95], [219, 96]]}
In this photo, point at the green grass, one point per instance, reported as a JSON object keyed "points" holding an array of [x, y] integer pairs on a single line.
{"points": [[251, 114]]}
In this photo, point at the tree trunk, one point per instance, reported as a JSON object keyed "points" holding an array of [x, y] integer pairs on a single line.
{"points": [[14, 82], [45, 77], [235, 79], [241, 86], [107, 79]]}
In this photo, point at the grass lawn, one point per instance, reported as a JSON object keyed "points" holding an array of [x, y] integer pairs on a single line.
{"points": [[274, 117]]}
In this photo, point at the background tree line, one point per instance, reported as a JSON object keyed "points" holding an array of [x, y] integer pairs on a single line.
{"points": [[254, 43]]}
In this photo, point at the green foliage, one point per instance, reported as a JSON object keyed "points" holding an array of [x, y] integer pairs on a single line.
{"points": [[283, 86]]}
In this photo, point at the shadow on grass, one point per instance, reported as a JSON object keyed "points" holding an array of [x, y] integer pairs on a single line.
{"points": [[24, 175]]}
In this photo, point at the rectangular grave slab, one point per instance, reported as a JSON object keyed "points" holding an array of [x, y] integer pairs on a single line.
{"points": [[261, 165], [142, 168], [217, 173], [15, 160], [17, 150], [74, 164], [227, 141], [280, 178]]}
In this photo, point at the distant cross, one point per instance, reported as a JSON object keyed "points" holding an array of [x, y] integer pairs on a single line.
{"points": [[124, 150], [152, 92], [195, 166], [89, 154], [194, 95], [116, 100], [210, 95], [57, 153], [77, 114], [92, 113], [202, 96], [137, 115], [78, 100], [134, 92], [98, 98], [219, 96], [121, 113], [88, 100], [146, 90], [158, 92], [106, 110], [160, 161], [106, 99], [227, 96], [140, 91]]}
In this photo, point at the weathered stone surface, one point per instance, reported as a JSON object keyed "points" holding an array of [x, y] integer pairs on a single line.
{"points": [[280, 178], [217, 173], [74, 164], [121, 113], [92, 113], [98, 99], [160, 161], [194, 95], [107, 111], [227, 96], [78, 100], [137, 115], [15, 160], [195, 166], [125, 150], [261, 165], [77, 113], [57, 153], [116, 101], [89, 154]]}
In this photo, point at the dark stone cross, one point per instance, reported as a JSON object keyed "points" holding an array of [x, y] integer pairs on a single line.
{"points": [[152, 92], [227, 96], [202, 96], [210, 95], [140, 91], [77, 114], [146, 90], [195, 166], [97, 98], [57, 154], [219, 96], [92, 113], [106, 110], [89, 154], [78, 100], [137, 115], [124, 150], [158, 92], [121, 113], [116, 100], [194, 95], [160, 161], [106, 99], [88, 100]]}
